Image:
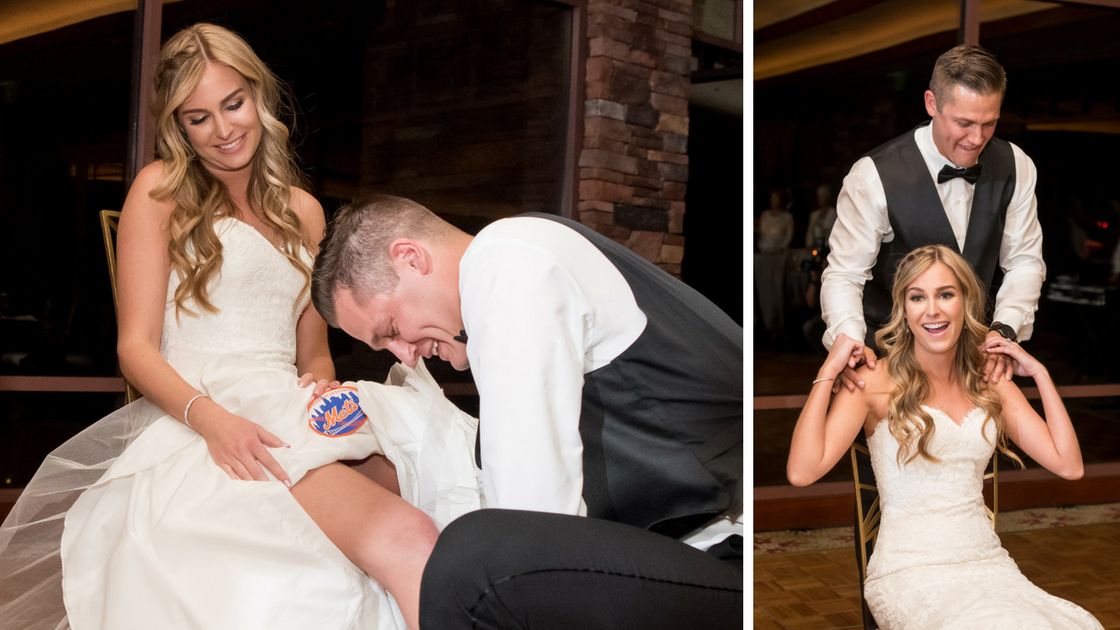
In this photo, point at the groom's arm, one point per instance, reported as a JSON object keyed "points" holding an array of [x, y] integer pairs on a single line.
{"points": [[525, 319]]}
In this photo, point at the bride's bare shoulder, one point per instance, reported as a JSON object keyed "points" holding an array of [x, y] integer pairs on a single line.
{"points": [[140, 203], [878, 387], [877, 380], [149, 177]]}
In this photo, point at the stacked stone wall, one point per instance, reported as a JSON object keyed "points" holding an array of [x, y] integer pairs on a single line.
{"points": [[633, 168]]}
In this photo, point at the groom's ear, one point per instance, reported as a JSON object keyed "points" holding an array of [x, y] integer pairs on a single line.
{"points": [[409, 254]]}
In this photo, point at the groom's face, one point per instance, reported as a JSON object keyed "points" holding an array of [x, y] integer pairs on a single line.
{"points": [[409, 323]]}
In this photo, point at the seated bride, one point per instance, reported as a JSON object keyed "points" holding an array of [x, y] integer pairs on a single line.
{"points": [[216, 501], [932, 423]]}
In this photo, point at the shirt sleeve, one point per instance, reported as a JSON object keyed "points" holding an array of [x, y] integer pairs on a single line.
{"points": [[860, 228], [527, 323], [1020, 253]]}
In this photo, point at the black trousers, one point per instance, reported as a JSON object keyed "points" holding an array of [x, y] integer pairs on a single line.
{"points": [[513, 569]]}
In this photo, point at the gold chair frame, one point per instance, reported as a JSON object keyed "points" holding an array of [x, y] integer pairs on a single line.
{"points": [[868, 520], [110, 220]]}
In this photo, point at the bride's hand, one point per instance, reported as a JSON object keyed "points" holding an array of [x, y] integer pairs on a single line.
{"points": [[238, 446], [1022, 363], [321, 385]]}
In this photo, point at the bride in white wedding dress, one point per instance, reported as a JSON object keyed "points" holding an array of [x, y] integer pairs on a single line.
{"points": [[932, 424], [213, 503]]}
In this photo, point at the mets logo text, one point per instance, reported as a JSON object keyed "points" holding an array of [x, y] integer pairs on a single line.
{"points": [[336, 413]]}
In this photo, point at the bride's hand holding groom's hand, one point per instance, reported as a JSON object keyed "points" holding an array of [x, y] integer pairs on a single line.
{"points": [[1022, 363], [846, 355], [855, 353], [998, 365]]}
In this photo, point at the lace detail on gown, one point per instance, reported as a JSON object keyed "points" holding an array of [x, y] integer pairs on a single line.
{"points": [[938, 564], [157, 536], [259, 294]]}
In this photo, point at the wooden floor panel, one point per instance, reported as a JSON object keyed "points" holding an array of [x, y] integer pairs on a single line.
{"points": [[820, 590]]}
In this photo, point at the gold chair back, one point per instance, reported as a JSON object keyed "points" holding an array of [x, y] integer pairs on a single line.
{"points": [[867, 506], [109, 222]]}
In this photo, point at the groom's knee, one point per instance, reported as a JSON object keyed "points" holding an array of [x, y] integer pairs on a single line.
{"points": [[458, 574]]}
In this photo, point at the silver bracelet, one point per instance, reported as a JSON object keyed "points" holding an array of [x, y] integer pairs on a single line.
{"points": [[187, 410], [821, 380]]}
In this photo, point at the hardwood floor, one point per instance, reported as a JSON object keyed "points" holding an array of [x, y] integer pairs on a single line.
{"points": [[820, 590], [807, 591]]}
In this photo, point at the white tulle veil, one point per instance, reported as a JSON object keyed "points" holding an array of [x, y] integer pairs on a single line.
{"points": [[30, 565]]}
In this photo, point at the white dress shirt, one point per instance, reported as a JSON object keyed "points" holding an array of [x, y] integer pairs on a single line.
{"points": [[862, 225], [542, 307]]}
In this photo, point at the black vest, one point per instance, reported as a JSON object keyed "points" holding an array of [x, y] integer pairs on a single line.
{"points": [[662, 424], [918, 218]]}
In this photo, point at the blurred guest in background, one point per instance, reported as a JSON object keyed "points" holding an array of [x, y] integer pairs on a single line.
{"points": [[774, 233], [821, 221]]}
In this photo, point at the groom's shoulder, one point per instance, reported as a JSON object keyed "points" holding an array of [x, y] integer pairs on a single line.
{"points": [[531, 245], [529, 230]]}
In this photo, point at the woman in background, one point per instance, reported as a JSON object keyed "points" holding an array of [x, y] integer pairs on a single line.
{"points": [[774, 233]]}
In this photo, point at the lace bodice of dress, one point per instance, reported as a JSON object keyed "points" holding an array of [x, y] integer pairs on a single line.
{"points": [[933, 512], [257, 293]]}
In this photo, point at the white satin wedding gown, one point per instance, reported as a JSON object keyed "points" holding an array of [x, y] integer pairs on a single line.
{"points": [[937, 563], [157, 536]]}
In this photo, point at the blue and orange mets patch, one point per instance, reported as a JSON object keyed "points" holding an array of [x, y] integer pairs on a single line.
{"points": [[336, 413]]}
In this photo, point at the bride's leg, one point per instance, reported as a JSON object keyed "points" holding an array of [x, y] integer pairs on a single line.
{"points": [[380, 470], [380, 532]]}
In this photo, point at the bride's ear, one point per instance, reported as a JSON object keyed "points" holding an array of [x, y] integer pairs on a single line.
{"points": [[408, 254]]}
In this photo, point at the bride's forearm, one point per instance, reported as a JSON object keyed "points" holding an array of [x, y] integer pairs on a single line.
{"points": [[807, 447], [822, 435], [1059, 425], [313, 352], [321, 367], [161, 385]]}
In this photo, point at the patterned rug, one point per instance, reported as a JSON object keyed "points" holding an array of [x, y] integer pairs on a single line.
{"points": [[787, 541]]}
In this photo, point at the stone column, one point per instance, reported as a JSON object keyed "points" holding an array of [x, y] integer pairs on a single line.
{"points": [[634, 162]]}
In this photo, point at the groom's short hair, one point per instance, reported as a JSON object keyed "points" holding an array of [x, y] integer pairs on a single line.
{"points": [[970, 66], [354, 252]]}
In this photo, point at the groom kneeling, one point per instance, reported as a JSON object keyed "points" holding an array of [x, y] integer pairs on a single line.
{"points": [[608, 389]]}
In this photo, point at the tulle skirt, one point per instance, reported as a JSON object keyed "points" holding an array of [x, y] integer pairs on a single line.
{"points": [[132, 525]]}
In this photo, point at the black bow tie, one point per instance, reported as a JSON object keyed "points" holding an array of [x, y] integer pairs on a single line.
{"points": [[970, 174]]}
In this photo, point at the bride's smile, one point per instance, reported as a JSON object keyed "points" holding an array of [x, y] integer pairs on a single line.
{"points": [[934, 310], [220, 120]]}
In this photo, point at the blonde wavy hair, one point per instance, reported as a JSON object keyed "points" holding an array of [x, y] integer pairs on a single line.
{"points": [[199, 197], [912, 387]]}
